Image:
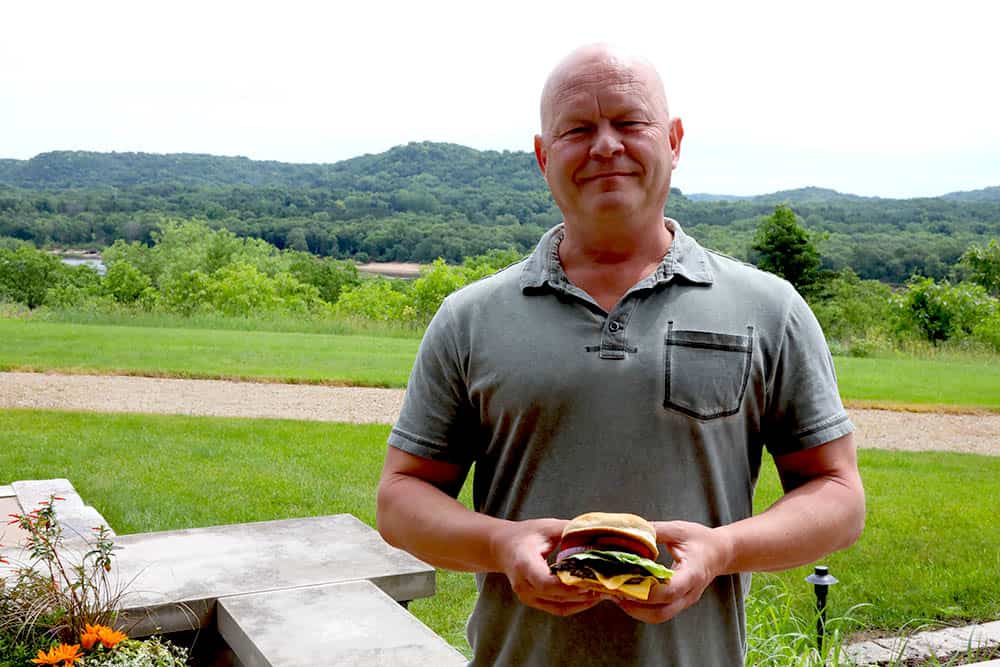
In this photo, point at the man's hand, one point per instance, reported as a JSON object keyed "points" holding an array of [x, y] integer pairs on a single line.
{"points": [[521, 549], [699, 553]]}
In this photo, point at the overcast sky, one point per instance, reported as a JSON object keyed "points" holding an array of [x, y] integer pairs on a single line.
{"points": [[886, 98]]}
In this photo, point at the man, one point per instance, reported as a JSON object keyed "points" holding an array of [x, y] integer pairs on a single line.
{"points": [[619, 368]]}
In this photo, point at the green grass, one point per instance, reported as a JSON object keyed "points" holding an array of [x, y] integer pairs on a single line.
{"points": [[203, 353], [972, 381], [311, 323], [930, 550], [383, 360]]}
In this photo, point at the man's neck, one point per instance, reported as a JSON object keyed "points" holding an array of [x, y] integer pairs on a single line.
{"points": [[606, 265], [614, 244]]}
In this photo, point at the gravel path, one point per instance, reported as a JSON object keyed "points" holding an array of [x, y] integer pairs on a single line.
{"points": [[979, 434]]}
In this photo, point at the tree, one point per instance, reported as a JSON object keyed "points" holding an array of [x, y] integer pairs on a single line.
{"points": [[984, 265], [26, 274], [783, 247]]}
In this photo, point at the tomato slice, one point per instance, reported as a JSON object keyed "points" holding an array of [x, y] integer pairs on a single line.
{"points": [[607, 542]]}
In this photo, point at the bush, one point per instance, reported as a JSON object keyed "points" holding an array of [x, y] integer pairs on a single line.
{"points": [[983, 264], [376, 300], [940, 311], [327, 275], [851, 310], [27, 274], [987, 331], [126, 284], [435, 283], [187, 292]]}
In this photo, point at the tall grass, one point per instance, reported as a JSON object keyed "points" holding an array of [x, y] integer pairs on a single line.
{"points": [[304, 323]]}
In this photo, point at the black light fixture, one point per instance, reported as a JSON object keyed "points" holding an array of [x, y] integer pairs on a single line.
{"points": [[821, 579]]}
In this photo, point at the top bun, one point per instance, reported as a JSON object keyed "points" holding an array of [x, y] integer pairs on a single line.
{"points": [[614, 523]]}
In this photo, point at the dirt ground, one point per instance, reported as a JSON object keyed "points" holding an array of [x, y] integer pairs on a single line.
{"points": [[979, 434], [884, 429]]}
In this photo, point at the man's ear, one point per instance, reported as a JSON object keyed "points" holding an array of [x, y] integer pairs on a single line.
{"points": [[676, 135], [540, 155]]}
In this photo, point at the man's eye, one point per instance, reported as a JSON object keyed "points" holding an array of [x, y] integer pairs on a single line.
{"points": [[628, 123], [579, 129]]}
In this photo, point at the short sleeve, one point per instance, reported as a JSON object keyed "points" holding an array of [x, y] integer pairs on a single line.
{"points": [[804, 407], [436, 418]]}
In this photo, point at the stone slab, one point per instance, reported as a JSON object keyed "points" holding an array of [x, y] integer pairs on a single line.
{"points": [[76, 518], [12, 537], [351, 624], [923, 645], [6, 491], [32, 492], [175, 577]]}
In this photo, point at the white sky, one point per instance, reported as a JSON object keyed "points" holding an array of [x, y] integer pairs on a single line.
{"points": [[872, 97]]}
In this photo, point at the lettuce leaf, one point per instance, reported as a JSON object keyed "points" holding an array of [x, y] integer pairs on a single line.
{"points": [[656, 569]]}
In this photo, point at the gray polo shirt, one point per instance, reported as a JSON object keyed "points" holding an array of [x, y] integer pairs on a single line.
{"points": [[660, 407]]}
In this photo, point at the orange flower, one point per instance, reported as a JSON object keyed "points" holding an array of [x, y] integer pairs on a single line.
{"points": [[110, 638], [67, 654], [89, 637]]}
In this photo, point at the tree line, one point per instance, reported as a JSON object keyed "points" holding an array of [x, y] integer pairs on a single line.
{"points": [[192, 269], [427, 200]]}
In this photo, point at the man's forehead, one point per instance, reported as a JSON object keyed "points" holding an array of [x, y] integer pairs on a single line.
{"points": [[587, 76], [608, 83], [611, 99]]}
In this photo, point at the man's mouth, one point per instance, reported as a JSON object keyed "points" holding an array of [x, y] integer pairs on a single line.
{"points": [[608, 174]]}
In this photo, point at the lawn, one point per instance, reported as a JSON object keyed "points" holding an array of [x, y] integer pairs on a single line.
{"points": [[930, 551], [946, 381], [385, 361], [377, 361]]}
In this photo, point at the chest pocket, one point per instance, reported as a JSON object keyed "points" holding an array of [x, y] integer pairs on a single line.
{"points": [[706, 373]]}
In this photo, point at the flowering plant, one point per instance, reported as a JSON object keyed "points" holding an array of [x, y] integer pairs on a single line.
{"points": [[105, 647], [64, 604]]}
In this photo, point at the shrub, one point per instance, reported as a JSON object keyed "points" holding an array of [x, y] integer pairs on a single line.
{"points": [[376, 300], [987, 331], [435, 283], [27, 274], [851, 310], [984, 265], [940, 311], [126, 284], [187, 292]]}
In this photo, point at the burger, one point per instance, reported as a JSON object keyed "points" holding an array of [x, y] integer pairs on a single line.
{"points": [[610, 552]]}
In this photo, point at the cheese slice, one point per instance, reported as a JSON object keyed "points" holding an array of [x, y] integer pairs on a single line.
{"points": [[617, 583]]}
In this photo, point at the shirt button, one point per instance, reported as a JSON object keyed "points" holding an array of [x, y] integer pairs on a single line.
{"points": [[614, 327]]}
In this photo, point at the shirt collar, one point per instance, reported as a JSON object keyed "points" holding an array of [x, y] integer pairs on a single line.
{"points": [[685, 259]]}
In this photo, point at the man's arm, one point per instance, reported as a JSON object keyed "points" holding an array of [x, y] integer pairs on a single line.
{"points": [[823, 510], [416, 513]]}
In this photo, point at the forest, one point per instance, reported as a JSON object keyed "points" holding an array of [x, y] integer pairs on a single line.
{"points": [[427, 200]]}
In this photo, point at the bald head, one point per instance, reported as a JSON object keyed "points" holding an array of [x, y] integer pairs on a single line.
{"points": [[593, 63]]}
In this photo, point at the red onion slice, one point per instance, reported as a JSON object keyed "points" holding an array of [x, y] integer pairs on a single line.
{"points": [[565, 553]]}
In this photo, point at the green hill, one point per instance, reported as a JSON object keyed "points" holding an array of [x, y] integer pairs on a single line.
{"points": [[424, 200]]}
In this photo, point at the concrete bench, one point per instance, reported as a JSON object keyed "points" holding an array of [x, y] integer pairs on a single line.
{"points": [[312, 591], [352, 624], [175, 577]]}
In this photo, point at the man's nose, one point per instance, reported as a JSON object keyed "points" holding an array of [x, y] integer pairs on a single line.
{"points": [[607, 143]]}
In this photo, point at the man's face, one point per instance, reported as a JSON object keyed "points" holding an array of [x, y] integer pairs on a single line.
{"points": [[607, 146]]}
